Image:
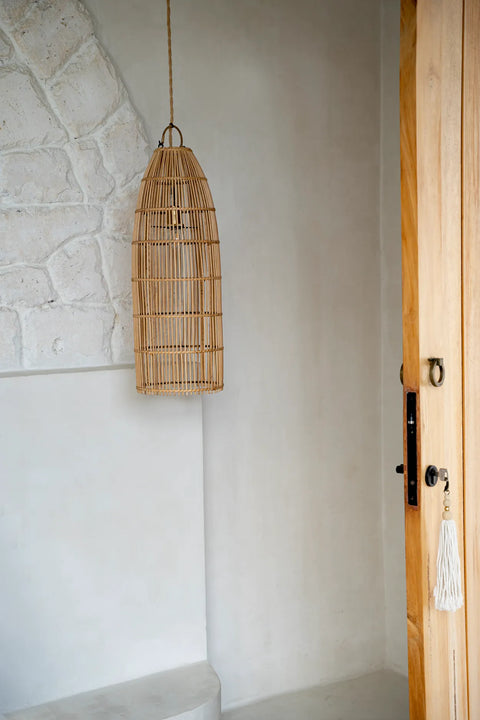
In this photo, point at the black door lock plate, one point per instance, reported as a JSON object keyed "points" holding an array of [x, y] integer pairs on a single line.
{"points": [[412, 485]]}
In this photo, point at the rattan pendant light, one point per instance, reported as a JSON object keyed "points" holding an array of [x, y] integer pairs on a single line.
{"points": [[176, 278]]}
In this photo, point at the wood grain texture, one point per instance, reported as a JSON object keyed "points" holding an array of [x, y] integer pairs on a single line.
{"points": [[411, 375], [471, 340], [432, 310], [439, 132]]}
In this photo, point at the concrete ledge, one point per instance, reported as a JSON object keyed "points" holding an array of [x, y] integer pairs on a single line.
{"points": [[187, 693]]}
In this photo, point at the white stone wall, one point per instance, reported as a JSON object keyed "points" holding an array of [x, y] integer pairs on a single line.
{"points": [[72, 153]]}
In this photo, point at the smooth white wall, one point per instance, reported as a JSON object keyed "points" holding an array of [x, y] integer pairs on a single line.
{"points": [[292, 446], [101, 510], [281, 104], [392, 412], [101, 534]]}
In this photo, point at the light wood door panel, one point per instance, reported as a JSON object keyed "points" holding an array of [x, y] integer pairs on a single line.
{"points": [[471, 334], [431, 156]]}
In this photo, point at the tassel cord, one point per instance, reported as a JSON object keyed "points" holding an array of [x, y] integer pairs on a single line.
{"points": [[448, 590]]}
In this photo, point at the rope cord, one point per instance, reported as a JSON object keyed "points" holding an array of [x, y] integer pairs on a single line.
{"points": [[170, 74]]}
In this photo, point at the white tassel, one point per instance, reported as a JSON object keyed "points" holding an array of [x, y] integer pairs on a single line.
{"points": [[448, 590]]}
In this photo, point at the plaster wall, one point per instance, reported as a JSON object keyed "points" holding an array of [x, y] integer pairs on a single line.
{"points": [[72, 155], [295, 592], [391, 304], [101, 509], [101, 534], [281, 104]]}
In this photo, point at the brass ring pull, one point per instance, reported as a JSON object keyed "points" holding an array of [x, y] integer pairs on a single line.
{"points": [[171, 126], [434, 363]]}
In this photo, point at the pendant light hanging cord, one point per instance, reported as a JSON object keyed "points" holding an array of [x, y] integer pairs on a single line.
{"points": [[170, 74]]}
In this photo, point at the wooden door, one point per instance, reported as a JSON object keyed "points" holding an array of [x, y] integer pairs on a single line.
{"points": [[471, 341], [440, 163]]}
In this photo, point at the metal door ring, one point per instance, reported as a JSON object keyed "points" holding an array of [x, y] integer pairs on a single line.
{"points": [[434, 363]]}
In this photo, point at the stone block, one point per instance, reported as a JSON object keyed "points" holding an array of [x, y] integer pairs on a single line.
{"points": [[64, 336], [73, 154], [25, 119], [10, 340], [12, 10], [87, 91], [25, 286], [117, 263], [119, 213], [124, 145], [96, 182], [40, 176], [122, 336], [76, 272], [31, 235], [50, 34], [5, 49]]}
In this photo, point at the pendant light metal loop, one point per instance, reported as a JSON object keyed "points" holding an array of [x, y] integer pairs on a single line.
{"points": [[171, 126]]}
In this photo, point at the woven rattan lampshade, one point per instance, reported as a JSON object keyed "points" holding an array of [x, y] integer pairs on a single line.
{"points": [[176, 278]]}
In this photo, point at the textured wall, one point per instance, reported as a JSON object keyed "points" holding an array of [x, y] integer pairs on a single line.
{"points": [[101, 509], [281, 104], [101, 534], [392, 396], [280, 101], [295, 592], [73, 152]]}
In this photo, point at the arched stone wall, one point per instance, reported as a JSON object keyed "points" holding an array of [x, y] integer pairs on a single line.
{"points": [[73, 151]]}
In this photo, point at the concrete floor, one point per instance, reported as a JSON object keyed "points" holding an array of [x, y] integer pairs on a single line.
{"points": [[379, 696]]}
